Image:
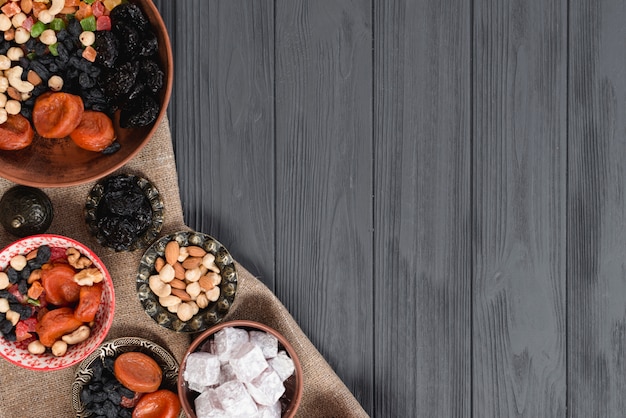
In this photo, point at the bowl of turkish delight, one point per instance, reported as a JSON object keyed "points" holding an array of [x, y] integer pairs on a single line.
{"points": [[84, 85], [240, 368], [57, 302]]}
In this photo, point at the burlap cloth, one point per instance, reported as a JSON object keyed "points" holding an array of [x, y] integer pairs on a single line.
{"points": [[24, 393]]}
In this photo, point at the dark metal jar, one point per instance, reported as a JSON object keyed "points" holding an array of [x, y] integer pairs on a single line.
{"points": [[25, 211]]}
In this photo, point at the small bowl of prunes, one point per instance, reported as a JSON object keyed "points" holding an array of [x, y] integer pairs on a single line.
{"points": [[124, 212], [88, 85]]}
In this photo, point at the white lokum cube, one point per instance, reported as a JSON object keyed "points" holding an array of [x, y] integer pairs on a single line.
{"points": [[248, 362], [283, 365], [273, 411], [227, 374], [207, 406], [228, 340], [266, 341], [266, 388], [201, 370], [235, 399]]}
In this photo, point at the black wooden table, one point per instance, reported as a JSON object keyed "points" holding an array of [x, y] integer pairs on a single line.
{"points": [[434, 189]]}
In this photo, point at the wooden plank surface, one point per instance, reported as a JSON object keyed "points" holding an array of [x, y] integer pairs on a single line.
{"points": [[324, 180], [422, 258], [596, 209], [222, 121], [519, 183], [434, 189]]}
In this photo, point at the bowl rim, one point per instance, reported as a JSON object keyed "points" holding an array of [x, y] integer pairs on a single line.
{"points": [[107, 279], [167, 93], [241, 323]]}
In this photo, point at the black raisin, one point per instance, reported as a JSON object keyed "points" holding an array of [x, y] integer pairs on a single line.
{"points": [[10, 336], [41, 69], [125, 413], [22, 286], [25, 273], [5, 327], [43, 254], [108, 364], [74, 27], [139, 112], [85, 81], [4, 47], [112, 149], [13, 275], [25, 311]]}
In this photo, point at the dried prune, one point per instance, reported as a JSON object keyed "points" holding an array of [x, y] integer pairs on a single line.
{"points": [[129, 14], [149, 44], [124, 212], [107, 46], [139, 112], [119, 82], [152, 75], [132, 41]]}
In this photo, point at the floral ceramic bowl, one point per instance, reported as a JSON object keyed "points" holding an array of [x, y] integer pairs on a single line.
{"points": [[17, 352]]}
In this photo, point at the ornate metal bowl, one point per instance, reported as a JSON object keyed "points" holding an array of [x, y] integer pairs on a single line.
{"points": [[114, 348], [206, 317]]}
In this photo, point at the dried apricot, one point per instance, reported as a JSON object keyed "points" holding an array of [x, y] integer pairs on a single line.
{"points": [[56, 323], [94, 132], [16, 133], [138, 372], [57, 114], [88, 302], [59, 285], [160, 404]]}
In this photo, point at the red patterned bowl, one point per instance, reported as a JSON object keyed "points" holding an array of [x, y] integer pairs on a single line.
{"points": [[17, 352]]}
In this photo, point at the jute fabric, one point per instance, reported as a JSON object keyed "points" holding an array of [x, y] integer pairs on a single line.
{"points": [[26, 394]]}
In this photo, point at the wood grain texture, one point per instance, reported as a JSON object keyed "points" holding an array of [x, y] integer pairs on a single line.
{"points": [[324, 180], [596, 209], [222, 120], [422, 258], [519, 183]]}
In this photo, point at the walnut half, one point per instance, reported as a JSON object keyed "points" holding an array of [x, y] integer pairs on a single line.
{"points": [[88, 277], [76, 259]]}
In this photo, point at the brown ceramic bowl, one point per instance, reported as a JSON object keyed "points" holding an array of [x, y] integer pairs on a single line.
{"points": [[290, 401], [60, 163]]}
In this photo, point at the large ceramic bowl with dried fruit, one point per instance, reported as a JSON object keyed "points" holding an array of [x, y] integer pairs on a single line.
{"points": [[240, 368], [117, 367], [57, 302], [187, 281], [93, 98]]}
